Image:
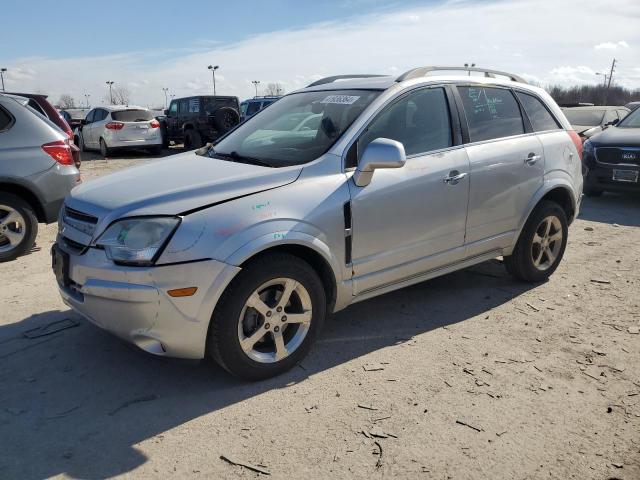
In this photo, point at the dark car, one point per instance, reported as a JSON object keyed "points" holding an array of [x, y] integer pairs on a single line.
{"points": [[250, 107], [195, 121], [612, 158], [74, 116]]}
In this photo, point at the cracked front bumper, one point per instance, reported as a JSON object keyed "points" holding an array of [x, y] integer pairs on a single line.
{"points": [[133, 303]]}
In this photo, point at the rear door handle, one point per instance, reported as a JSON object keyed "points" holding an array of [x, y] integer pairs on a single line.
{"points": [[532, 159], [454, 177]]}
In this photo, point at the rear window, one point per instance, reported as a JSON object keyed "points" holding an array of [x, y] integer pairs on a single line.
{"points": [[5, 119], [589, 118], [491, 113], [132, 115], [538, 114]]}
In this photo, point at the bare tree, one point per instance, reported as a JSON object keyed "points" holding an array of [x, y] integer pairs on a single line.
{"points": [[274, 89], [66, 101], [596, 94], [120, 96]]}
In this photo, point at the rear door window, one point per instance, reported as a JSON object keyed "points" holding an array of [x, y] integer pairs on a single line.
{"points": [[184, 106], [538, 114], [491, 113], [132, 115]]}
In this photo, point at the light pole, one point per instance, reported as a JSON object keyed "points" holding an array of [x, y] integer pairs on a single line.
{"points": [[86, 96], [165, 90], [467, 65], [255, 84], [110, 94], [213, 69], [2, 70]]}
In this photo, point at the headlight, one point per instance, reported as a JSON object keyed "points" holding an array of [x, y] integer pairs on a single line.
{"points": [[137, 241], [587, 146]]}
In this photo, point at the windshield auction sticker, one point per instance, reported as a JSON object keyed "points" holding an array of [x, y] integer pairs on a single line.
{"points": [[341, 99]]}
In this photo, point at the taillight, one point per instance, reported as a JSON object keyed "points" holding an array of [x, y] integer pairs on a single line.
{"points": [[60, 151], [114, 125], [154, 123], [577, 141]]}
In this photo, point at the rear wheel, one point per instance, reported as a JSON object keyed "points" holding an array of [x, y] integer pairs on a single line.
{"points": [[104, 150], [541, 244], [268, 318], [18, 227], [192, 139], [81, 145]]}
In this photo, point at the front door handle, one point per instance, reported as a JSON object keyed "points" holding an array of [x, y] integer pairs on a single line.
{"points": [[532, 159], [454, 177]]}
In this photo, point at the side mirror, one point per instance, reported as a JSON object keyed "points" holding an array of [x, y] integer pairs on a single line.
{"points": [[381, 153], [166, 112]]}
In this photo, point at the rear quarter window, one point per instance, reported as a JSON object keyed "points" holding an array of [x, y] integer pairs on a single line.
{"points": [[491, 113], [538, 114]]}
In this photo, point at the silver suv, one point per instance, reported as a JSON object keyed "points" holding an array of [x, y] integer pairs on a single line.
{"points": [[238, 251], [37, 170]]}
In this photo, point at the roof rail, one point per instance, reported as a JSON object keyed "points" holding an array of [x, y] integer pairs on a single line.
{"points": [[324, 80], [422, 71]]}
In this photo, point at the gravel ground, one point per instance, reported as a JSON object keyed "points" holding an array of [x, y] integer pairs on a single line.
{"points": [[467, 376]]}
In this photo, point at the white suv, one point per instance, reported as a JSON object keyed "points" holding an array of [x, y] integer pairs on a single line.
{"points": [[119, 127], [239, 250]]}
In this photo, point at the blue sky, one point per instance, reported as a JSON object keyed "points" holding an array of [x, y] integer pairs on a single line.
{"points": [[106, 27], [144, 46]]}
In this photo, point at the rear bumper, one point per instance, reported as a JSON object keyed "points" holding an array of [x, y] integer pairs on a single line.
{"points": [[146, 143], [52, 186], [133, 302]]}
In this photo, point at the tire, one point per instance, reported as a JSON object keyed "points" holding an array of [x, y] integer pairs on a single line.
{"points": [[81, 145], [192, 140], [225, 119], [233, 321], [27, 225], [521, 263], [104, 150], [592, 192]]}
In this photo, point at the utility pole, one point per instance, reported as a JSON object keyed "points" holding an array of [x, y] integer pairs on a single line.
{"points": [[213, 69], [613, 67], [86, 97], [255, 84], [110, 94], [2, 70], [165, 90]]}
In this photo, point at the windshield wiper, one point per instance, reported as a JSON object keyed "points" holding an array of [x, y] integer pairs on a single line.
{"points": [[236, 157]]}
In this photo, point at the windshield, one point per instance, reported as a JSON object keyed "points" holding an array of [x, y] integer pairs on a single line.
{"points": [[632, 120], [132, 115], [584, 117], [296, 129]]}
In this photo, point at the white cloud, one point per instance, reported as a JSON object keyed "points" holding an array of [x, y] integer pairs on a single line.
{"points": [[611, 45], [490, 34]]}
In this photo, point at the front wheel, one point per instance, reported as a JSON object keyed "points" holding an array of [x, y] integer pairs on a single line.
{"points": [[541, 244], [268, 318]]}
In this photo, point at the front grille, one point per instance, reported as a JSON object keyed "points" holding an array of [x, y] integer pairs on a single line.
{"points": [[79, 221], [82, 217], [615, 155]]}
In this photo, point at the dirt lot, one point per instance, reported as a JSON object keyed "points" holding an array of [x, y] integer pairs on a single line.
{"points": [[468, 376]]}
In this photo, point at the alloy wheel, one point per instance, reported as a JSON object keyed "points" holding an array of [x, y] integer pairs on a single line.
{"points": [[12, 228], [547, 242], [275, 320]]}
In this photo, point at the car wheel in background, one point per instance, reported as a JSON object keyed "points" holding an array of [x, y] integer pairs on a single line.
{"points": [[268, 318], [541, 244], [81, 145], [104, 150], [592, 192], [18, 227], [192, 139]]}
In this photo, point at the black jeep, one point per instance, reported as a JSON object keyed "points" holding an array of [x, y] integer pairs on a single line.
{"points": [[195, 121]]}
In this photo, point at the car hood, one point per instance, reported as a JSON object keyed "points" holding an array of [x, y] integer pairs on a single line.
{"points": [[617, 137], [175, 186]]}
